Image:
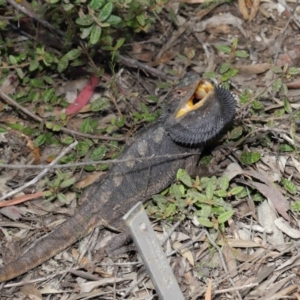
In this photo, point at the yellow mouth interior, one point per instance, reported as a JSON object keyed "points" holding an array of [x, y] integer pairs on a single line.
{"points": [[203, 90]]}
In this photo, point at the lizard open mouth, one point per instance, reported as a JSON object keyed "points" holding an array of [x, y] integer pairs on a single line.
{"points": [[201, 94]]}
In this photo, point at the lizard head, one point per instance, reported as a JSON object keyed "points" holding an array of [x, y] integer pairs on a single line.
{"points": [[197, 111]]}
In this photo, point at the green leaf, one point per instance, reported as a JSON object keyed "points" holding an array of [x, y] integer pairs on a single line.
{"points": [[82, 148], [258, 197], [98, 153], [170, 210], [62, 65], [287, 105], [33, 65], [113, 20], [72, 54], [205, 160], [20, 73], [68, 7], [241, 53], [224, 68], [120, 121], [276, 70], [2, 130], [236, 133], [37, 82], [48, 95], [181, 189], [284, 89], [40, 140], [236, 190], [277, 85], [177, 191], [224, 183], [249, 158], [205, 211], [235, 42], [224, 49], [62, 198], [68, 182], [160, 198], [105, 12], [184, 177], [286, 148], [220, 193], [205, 222], [120, 42], [49, 125], [141, 19], [86, 126], [56, 127], [279, 112], [99, 104], [289, 186], [67, 140], [89, 168], [95, 34], [257, 105], [210, 75], [225, 216], [294, 71], [209, 191], [229, 74], [48, 59], [245, 96], [67, 159], [13, 60], [86, 32], [86, 20], [48, 79], [295, 206], [16, 126], [96, 4], [242, 194]]}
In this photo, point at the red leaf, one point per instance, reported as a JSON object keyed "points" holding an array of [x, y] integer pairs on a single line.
{"points": [[84, 97]]}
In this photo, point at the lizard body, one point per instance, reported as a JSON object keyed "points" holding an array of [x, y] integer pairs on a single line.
{"points": [[137, 180]]}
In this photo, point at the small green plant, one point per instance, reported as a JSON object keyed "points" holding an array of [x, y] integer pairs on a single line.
{"points": [[81, 26], [205, 195], [226, 70], [54, 187], [296, 206]]}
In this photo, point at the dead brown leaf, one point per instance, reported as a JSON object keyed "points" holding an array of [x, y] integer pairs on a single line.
{"points": [[254, 9], [185, 252], [31, 292], [243, 9], [166, 56], [287, 229], [270, 192], [21, 199], [12, 212], [252, 69], [88, 180], [144, 56], [291, 57], [208, 290], [235, 243]]}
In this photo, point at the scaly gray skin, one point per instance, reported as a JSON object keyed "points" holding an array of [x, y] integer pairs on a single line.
{"points": [[127, 183]]}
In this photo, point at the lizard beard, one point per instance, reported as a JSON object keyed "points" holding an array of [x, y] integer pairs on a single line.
{"points": [[203, 124]]}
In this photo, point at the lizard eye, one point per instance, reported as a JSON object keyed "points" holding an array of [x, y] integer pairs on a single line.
{"points": [[179, 92]]}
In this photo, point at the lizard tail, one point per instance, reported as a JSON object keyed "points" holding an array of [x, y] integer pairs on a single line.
{"points": [[49, 245]]}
